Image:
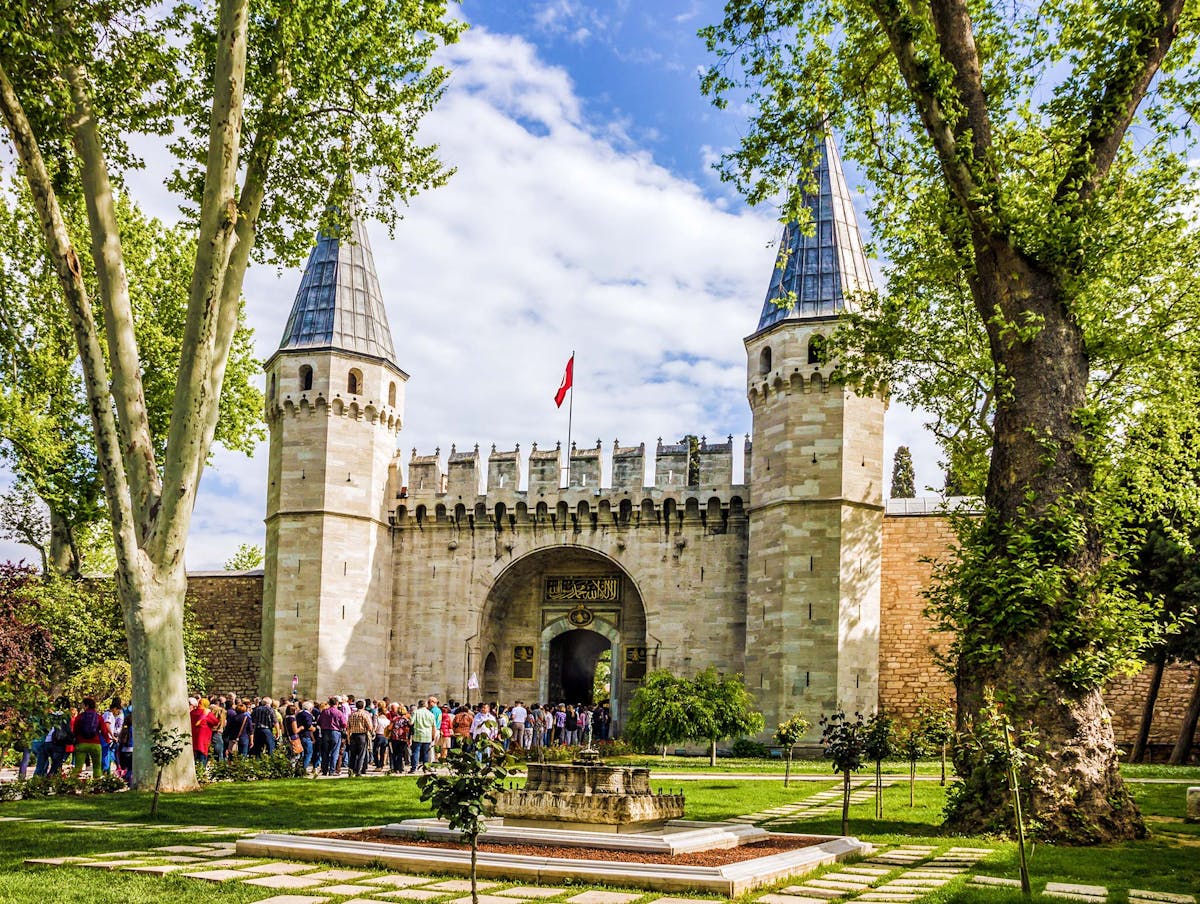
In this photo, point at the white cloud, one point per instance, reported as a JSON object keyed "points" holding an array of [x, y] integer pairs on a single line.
{"points": [[555, 234]]}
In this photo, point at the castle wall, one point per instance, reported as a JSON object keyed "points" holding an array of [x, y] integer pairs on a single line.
{"points": [[227, 606], [908, 672], [468, 573]]}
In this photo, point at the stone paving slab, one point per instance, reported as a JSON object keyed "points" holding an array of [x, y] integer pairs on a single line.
{"points": [[1001, 881], [160, 870], [603, 897], [677, 900], [125, 854], [856, 878], [55, 861], [293, 899], [789, 899], [341, 890], [813, 891], [220, 875], [411, 894], [483, 899], [285, 882], [896, 897], [343, 875], [532, 891], [833, 884], [243, 863], [373, 901], [184, 849], [867, 870], [1070, 888], [280, 869], [399, 881], [463, 885], [1165, 896], [110, 864]]}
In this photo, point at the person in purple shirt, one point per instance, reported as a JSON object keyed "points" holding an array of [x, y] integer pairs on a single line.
{"points": [[332, 723]]}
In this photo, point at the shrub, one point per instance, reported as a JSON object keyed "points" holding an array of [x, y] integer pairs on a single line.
{"points": [[253, 769], [750, 749]]}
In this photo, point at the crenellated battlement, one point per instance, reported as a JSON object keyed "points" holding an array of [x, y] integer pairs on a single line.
{"points": [[315, 404], [471, 492]]}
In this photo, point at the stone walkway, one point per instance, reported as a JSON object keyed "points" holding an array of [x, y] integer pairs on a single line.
{"points": [[823, 803], [898, 875]]}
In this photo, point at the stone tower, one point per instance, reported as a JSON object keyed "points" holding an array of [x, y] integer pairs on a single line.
{"points": [[335, 399], [816, 514]]}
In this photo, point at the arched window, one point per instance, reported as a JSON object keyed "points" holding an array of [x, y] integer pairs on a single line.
{"points": [[354, 384], [764, 361], [816, 350], [305, 378], [392, 394]]}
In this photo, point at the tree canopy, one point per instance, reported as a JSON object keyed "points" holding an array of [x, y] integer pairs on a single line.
{"points": [[1030, 192], [260, 106]]}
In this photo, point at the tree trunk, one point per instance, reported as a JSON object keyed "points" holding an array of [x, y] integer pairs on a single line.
{"points": [[846, 803], [1038, 515], [787, 767], [1187, 731], [1143, 738], [152, 603], [712, 753], [912, 783], [474, 877], [63, 556], [878, 790], [943, 781]]}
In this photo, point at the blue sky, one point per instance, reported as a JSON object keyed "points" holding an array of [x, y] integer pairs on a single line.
{"points": [[584, 215]]}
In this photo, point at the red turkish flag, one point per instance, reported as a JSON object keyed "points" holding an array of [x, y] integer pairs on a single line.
{"points": [[567, 381]]}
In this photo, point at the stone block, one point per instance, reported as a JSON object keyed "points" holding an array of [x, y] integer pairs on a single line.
{"points": [[338, 875], [220, 875], [1193, 805], [284, 881], [411, 894], [789, 899], [398, 881], [461, 885], [531, 891], [1092, 891], [280, 869], [1160, 896], [996, 880], [293, 899], [603, 897]]}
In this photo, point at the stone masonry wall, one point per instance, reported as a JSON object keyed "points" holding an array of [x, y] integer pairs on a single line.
{"points": [[228, 607], [908, 673]]}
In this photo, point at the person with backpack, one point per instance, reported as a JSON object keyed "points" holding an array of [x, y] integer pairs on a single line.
{"points": [[89, 729], [237, 731]]}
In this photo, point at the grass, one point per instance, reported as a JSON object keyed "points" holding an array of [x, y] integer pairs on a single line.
{"points": [[1164, 862], [810, 767]]}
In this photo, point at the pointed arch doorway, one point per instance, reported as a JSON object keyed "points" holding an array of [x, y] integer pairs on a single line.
{"points": [[551, 616]]}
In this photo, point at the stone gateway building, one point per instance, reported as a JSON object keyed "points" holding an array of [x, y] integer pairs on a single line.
{"points": [[385, 576]]}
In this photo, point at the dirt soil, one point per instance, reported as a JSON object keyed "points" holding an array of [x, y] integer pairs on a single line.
{"points": [[778, 844]]}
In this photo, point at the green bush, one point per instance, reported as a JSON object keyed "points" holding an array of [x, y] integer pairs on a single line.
{"points": [[60, 785], [749, 749], [253, 768]]}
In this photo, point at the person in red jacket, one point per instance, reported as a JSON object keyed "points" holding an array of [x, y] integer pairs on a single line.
{"points": [[204, 721]]}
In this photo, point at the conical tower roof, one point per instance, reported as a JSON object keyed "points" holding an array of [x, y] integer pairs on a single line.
{"points": [[820, 271], [339, 305]]}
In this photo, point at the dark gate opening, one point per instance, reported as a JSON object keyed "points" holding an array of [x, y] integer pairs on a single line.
{"points": [[572, 664]]}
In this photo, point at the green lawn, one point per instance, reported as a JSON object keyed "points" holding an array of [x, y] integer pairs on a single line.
{"points": [[1165, 862]]}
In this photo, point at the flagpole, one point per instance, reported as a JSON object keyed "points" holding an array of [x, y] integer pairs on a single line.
{"points": [[570, 417]]}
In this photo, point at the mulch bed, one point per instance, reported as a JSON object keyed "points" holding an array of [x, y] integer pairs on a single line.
{"points": [[720, 857]]}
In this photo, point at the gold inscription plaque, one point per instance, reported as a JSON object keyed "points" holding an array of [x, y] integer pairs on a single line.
{"points": [[635, 663], [522, 668], [600, 589]]}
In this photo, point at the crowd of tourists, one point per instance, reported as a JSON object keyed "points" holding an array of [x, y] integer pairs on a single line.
{"points": [[358, 735], [342, 734]]}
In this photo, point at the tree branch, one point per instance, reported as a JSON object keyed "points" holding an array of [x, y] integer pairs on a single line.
{"points": [[91, 357], [137, 448], [899, 26], [195, 399], [1134, 68], [956, 38]]}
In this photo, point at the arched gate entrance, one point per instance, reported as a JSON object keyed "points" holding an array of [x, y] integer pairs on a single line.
{"points": [[548, 620]]}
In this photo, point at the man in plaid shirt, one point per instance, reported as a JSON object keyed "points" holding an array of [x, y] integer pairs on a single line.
{"points": [[360, 727]]}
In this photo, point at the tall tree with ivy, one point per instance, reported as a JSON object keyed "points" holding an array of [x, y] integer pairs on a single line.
{"points": [[903, 478], [1040, 279], [260, 104]]}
